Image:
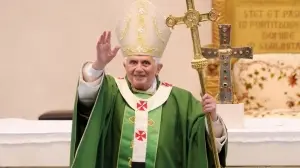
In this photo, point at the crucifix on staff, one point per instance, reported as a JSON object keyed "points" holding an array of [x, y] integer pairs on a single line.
{"points": [[191, 19]]}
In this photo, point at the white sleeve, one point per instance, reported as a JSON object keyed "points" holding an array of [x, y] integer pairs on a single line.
{"points": [[220, 132], [87, 91]]}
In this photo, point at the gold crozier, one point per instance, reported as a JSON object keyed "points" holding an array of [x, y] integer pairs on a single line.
{"points": [[191, 19]]}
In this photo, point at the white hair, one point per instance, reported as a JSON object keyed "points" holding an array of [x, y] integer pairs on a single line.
{"points": [[156, 60]]}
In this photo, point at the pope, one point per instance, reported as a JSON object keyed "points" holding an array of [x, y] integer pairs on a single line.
{"points": [[138, 120]]}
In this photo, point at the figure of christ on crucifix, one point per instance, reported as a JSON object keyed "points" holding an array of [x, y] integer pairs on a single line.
{"points": [[224, 53]]}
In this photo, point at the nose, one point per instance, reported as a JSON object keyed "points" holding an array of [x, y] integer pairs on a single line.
{"points": [[139, 67]]}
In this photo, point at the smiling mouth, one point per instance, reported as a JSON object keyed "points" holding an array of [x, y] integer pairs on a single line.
{"points": [[139, 76]]}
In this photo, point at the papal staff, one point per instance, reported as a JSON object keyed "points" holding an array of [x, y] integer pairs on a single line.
{"points": [[191, 19]]}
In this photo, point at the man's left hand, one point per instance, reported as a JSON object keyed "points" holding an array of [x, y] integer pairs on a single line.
{"points": [[209, 106]]}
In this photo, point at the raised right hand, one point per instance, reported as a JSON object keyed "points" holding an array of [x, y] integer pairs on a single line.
{"points": [[104, 52]]}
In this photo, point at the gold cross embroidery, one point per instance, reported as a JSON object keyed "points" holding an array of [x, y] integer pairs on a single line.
{"points": [[130, 162], [150, 121]]}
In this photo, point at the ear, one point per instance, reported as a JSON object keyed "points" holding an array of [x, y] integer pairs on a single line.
{"points": [[159, 67]]}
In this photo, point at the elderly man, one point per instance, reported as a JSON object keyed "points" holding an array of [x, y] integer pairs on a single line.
{"points": [[140, 121]]}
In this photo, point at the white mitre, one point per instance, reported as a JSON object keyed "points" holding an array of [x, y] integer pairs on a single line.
{"points": [[143, 30]]}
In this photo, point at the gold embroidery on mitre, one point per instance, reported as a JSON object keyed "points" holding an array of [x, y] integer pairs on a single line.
{"points": [[141, 46], [157, 31], [143, 30], [124, 31]]}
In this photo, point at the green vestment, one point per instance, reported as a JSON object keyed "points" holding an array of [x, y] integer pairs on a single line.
{"points": [[182, 143]]}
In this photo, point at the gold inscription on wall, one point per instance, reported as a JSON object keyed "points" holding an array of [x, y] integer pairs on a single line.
{"points": [[269, 26]]}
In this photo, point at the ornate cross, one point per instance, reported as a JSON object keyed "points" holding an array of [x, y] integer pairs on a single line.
{"points": [[191, 19], [225, 52]]}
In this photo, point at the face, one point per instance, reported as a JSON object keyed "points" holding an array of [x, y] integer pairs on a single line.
{"points": [[141, 71]]}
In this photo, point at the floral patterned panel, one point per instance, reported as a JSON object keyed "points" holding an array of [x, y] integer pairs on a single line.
{"points": [[269, 85]]}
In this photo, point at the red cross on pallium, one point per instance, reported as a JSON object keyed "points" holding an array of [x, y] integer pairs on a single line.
{"points": [[166, 84], [140, 135], [142, 105]]}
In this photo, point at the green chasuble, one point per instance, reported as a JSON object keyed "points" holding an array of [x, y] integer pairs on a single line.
{"points": [[109, 134]]}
